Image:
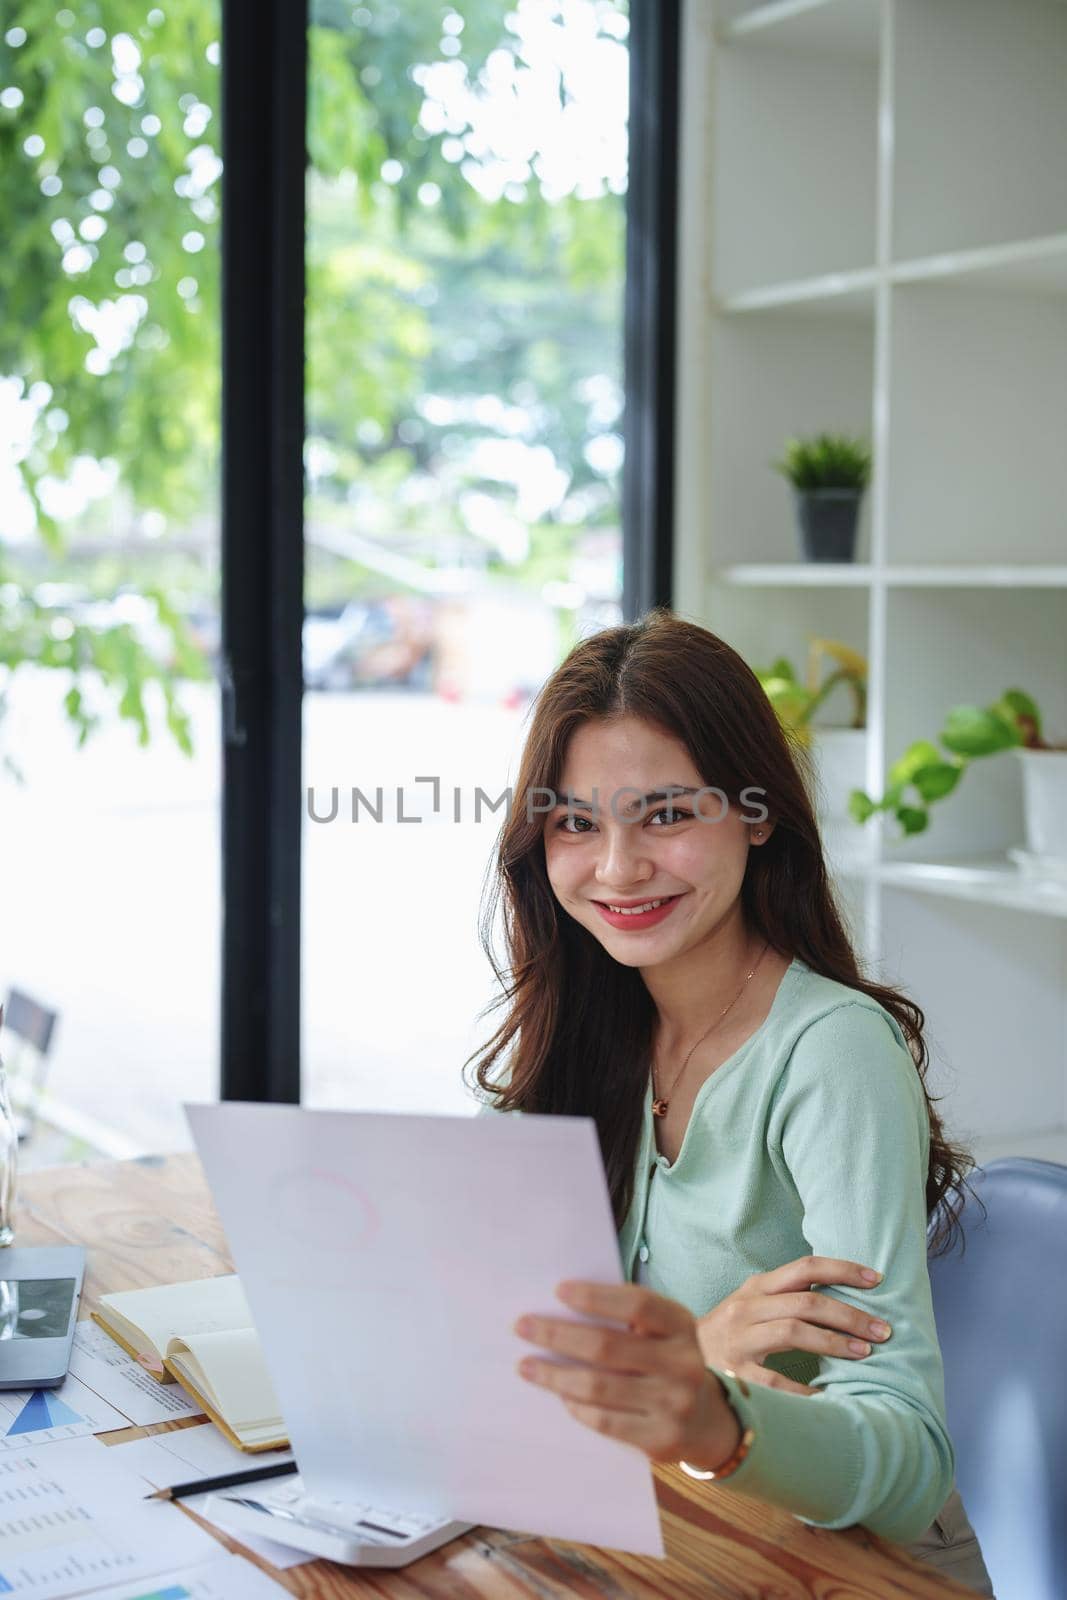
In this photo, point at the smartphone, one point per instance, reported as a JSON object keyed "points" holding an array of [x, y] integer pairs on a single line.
{"points": [[40, 1287]]}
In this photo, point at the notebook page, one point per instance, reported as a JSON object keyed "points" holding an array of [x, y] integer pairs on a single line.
{"points": [[238, 1383], [175, 1310]]}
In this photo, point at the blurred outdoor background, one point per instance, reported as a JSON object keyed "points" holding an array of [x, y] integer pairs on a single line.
{"points": [[465, 261]]}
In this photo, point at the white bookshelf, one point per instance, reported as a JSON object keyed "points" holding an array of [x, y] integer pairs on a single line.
{"points": [[874, 240]]}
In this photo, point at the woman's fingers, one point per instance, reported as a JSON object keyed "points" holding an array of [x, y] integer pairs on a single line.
{"points": [[586, 1385], [663, 1417], [824, 1311], [806, 1270], [639, 1308], [613, 1348], [792, 1333]]}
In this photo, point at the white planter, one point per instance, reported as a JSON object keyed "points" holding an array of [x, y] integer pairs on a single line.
{"points": [[839, 756], [1045, 801]]}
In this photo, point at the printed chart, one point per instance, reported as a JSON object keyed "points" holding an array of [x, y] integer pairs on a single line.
{"points": [[110, 1372], [36, 1416], [227, 1578], [72, 1519]]}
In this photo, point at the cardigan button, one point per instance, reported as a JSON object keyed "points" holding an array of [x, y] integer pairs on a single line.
{"points": [[644, 1252]]}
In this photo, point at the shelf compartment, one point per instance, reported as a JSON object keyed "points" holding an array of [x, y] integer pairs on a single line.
{"points": [[980, 117], [773, 376], [978, 409], [1016, 576], [949, 647], [1023, 266], [990, 981], [766, 623], [820, 27], [985, 880], [857, 575], [817, 119], [798, 575], [841, 294], [1049, 1144]]}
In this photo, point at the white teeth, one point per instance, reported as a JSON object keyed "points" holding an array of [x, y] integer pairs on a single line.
{"points": [[635, 911]]}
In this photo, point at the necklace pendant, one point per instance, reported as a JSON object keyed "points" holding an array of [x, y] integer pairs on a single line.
{"points": [[659, 1108]]}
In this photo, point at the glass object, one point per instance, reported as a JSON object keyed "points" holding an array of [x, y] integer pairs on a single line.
{"points": [[9, 1158]]}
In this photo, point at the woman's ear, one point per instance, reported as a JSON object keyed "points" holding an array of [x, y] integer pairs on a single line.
{"points": [[761, 832]]}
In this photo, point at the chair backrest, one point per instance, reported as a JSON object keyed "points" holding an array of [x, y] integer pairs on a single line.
{"points": [[33, 1025], [29, 1020], [1001, 1310]]}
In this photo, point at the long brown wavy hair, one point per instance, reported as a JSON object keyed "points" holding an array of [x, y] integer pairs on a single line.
{"points": [[578, 1024]]}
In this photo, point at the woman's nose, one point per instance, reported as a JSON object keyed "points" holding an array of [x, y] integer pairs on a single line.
{"points": [[622, 859]]}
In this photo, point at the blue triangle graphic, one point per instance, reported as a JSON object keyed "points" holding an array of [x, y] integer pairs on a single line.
{"points": [[58, 1409], [33, 1415], [43, 1410]]}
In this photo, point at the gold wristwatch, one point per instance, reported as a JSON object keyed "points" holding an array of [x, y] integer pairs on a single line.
{"points": [[744, 1444]]}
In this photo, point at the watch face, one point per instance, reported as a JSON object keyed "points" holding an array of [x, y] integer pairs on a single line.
{"points": [[35, 1308]]}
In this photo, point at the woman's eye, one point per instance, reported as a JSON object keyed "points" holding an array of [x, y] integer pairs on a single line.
{"points": [[669, 813], [563, 821]]}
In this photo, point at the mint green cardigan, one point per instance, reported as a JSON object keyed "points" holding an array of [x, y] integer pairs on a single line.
{"points": [[813, 1137]]}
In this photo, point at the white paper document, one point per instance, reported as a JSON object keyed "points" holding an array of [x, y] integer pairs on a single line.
{"points": [[105, 1367], [73, 1519], [228, 1578], [186, 1454], [386, 1259], [30, 1417]]}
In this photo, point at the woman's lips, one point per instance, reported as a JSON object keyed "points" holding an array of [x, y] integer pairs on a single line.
{"points": [[634, 921]]}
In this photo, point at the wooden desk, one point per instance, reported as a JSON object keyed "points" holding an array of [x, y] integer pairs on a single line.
{"points": [[152, 1221]]}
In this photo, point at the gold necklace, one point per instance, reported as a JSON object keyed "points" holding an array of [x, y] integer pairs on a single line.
{"points": [[660, 1104]]}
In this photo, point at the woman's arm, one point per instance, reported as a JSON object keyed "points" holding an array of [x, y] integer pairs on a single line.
{"points": [[849, 1132]]}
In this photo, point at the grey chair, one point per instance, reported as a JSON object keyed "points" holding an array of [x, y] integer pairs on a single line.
{"points": [[32, 1026], [1001, 1310]]}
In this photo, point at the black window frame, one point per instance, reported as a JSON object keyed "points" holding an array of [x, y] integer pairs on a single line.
{"points": [[264, 112], [264, 116]]}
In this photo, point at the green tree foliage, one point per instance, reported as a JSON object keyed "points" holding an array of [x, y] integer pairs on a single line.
{"points": [[119, 209], [443, 313]]}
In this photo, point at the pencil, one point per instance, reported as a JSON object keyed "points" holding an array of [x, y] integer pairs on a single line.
{"points": [[177, 1491]]}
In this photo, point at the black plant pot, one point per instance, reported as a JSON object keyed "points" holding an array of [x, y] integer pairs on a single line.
{"points": [[827, 520]]}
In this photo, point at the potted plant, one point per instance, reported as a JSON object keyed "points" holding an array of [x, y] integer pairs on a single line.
{"points": [[829, 474], [839, 755], [925, 774]]}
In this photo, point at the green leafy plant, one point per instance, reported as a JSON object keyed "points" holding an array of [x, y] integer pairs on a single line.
{"points": [[796, 702], [827, 461], [109, 195], [925, 774], [112, 658]]}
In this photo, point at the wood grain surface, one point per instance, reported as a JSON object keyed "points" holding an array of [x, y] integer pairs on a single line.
{"points": [[152, 1221]]}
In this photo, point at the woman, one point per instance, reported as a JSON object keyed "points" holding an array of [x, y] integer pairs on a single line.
{"points": [[678, 971]]}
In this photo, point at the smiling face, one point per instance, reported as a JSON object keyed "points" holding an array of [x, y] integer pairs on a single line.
{"points": [[606, 849]]}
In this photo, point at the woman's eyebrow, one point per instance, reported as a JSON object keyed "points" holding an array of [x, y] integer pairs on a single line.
{"points": [[670, 792]]}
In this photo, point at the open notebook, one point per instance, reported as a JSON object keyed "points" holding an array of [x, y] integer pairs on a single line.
{"points": [[202, 1334]]}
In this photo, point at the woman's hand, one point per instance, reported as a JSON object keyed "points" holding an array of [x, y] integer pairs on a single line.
{"points": [[776, 1310], [644, 1383]]}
